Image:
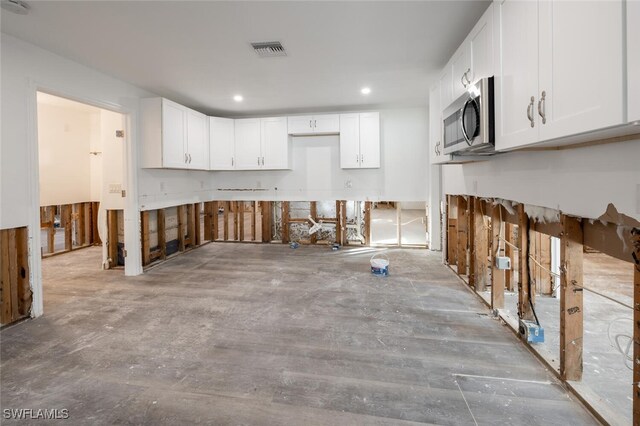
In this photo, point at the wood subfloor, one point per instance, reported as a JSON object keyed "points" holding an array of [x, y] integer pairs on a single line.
{"points": [[264, 334]]}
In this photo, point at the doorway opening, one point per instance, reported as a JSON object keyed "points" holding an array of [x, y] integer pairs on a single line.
{"points": [[81, 182], [399, 224]]}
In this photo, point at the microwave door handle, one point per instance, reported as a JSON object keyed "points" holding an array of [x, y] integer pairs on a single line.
{"points": [[462, 129]]}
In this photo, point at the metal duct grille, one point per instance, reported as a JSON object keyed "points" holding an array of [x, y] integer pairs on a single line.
{"points": [[269, 49]]}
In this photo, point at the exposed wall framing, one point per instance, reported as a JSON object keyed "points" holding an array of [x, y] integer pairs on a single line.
{"points": [[78, 223], [527, 242], [172, 230], [15, 290]]}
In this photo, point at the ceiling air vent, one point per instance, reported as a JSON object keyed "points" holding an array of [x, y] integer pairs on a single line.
{"points": [[268, 49]]}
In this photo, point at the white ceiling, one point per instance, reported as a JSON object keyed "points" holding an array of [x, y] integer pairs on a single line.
{"points": [[198, 53]]}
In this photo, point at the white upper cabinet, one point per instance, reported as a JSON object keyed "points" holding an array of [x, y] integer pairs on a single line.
{"points": [[300, 125], [173, 136], [633, 60], [516, 83], [247, 145], [461, 70], [581, 67], [275, 143], [221, 143], [313, 124], [436, 154], [481, 47], [473, 60], [560, 69], [369, 140], [326, 124], [173, 131], [446, 88], [349, 141], [360, 140], [262, 143], [197, 140]]}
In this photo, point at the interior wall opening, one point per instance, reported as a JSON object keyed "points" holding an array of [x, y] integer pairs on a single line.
{"points": [[81, 152], [401, 224]]}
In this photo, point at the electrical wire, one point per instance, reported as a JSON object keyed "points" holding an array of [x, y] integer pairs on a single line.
{"points": [[614, 340]]}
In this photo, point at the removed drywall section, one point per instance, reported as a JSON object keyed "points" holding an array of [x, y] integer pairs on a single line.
{"points": [[579, 182]]}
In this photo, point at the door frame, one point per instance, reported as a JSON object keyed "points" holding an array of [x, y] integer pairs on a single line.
{"points": [[129, 111]]}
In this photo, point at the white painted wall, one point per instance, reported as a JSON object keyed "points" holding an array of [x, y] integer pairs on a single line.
{"points": [[315, 174], [64, 140], [580, 181], [112, 170]]}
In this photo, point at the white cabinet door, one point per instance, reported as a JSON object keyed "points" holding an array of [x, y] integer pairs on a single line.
{"points": [[370, 140], [197, 141], [633, 60], [221, 143], [446, 88], [248, 151], [326, 124], [481, 42], [461, 70], [436, 155], [174, 129], [581, 67], [517, 78], [300, 125], [275, 143], [349, 141]]}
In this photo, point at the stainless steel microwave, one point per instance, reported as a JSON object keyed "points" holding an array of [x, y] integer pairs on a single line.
{"points": [[468, 123]]}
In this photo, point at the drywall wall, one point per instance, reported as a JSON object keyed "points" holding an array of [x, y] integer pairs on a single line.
{"points": [[315, 174], [112, 156], [25, 68], [64, 140], [579, 181]]}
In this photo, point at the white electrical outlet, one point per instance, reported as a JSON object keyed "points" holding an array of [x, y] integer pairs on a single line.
{"points": [[348, 184]]}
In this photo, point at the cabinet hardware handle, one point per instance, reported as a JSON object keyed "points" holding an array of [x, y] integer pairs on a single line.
{"points": [[541, 107], [258, 161], [467, 77], [263, 161], [357, 158], [530, 111], [310, 123], [462, 81], [314, 124], [231, 161], [189, 158], [361, 158], [185, 157]]}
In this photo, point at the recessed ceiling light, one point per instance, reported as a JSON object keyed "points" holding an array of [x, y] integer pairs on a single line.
{"points": [[365, 90], [238, 98]]}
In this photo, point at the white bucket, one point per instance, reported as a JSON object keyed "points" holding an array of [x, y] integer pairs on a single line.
{"points": [[379, 264]]}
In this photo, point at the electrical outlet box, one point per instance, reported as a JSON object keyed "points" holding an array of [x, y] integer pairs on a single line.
{"points": [[115, 188], [531, 332], [503, 262]]}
